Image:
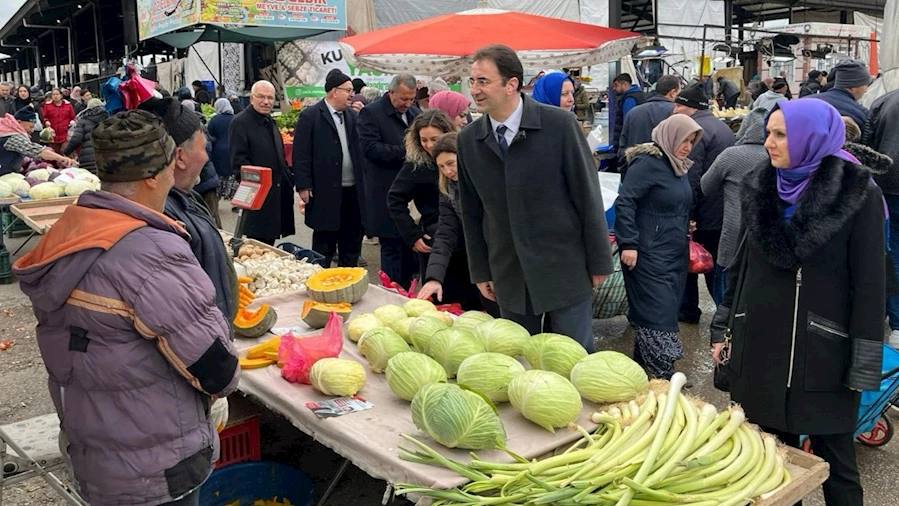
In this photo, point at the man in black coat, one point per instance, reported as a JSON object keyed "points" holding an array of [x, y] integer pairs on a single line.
{"points": [[7, 105], [642, 119], [849, 86], [255, 140], [708, 210], [382, 127], [327, 161], [813, 85], [532, 211], [201, 96]]}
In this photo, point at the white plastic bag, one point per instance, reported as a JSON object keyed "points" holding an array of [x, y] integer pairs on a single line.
{"points": [[219, 414]]}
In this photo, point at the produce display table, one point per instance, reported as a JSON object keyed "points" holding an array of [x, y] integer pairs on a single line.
{"points": [[39, 215], [369, 439]]}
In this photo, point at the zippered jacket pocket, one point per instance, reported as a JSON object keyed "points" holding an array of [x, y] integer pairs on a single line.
{"points": [[827, 354]]}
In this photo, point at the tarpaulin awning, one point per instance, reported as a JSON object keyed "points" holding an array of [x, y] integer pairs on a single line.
{"points": [[451, 40], [210, 33]]}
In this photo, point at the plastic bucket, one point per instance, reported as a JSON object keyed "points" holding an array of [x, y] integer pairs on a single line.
{"points": [[249, 482]]}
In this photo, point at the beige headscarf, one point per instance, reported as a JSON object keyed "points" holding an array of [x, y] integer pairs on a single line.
{"points": [[670, 133]]}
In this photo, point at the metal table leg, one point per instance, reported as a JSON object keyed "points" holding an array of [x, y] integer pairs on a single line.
{"points": [[331, 486], [16, 252], [61, 488]]}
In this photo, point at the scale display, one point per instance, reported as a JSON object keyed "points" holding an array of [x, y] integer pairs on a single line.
{"points": [[255, 183]]}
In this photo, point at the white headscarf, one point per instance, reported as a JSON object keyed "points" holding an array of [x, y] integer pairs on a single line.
{"points": [[223, 106]]}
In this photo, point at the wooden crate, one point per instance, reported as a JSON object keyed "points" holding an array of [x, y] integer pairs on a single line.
{"points": [[808, 472], [226, 237], [40, 215]]}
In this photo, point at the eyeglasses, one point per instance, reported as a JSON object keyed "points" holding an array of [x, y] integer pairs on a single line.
{"points": [[348, 90], [268, 98], [481, 82]]}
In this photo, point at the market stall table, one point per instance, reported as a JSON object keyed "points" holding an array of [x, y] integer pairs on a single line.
{"points": [[369, 439], [40, 215]]}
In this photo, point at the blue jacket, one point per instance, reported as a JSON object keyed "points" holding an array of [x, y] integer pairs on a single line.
{"points": [[218, 130], [209, 180], [845, 104]]}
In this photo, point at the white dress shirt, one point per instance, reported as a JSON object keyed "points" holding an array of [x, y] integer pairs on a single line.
{"points": [[512, 123]]}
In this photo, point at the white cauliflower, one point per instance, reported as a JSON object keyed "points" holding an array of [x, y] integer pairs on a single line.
{"points": [[78, 187], [5, 190]]}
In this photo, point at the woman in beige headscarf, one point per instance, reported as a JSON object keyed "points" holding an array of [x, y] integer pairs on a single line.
{"points": [[652, 228]]}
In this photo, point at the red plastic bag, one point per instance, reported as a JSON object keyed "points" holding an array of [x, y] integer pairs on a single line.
{"points": [[455, 308], [701, 260], [298, 355], [135, 89]]}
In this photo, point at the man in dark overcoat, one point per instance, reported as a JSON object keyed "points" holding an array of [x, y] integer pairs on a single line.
{"points": [[255, 140], [327, 161], [532, 210], [382, 129]]}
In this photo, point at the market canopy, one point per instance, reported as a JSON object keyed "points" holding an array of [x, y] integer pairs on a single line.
{"points": [[210, 33], [452, 39]]}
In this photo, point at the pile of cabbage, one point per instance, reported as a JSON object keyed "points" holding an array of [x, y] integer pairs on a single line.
{"points": [[45, 182], [421, 351]]}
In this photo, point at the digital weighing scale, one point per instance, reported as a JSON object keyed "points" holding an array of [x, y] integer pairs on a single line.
{"points": [[255, 183]]}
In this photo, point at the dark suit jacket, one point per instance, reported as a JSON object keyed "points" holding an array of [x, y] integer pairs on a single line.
{"points": [[318, 164], [534, 220], [381, 132]]}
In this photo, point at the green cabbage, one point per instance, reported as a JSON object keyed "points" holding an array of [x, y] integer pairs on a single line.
{"points": [[46, 191], [545, 398], [417, 307], [489, 374], [390, 313], [440, 315], [450, 347], [609, 376], [402, 328], [471, 319], [457, 418], [5, 190], [422, 329], [553, 352], [337, 376], [408, 371], [361, 324], [502, 336], [379, 345]]}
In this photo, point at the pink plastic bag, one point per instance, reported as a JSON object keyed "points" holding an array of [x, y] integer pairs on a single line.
{"points": [[298, 355], [701, 260]]}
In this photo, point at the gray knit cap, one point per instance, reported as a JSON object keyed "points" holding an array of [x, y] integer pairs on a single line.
{"points": [[852, 74]]}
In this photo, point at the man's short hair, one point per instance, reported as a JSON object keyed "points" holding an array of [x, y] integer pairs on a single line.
{"points": [[667, 84], [506, 61], [624, 78], [407, 80], [198, 84]]}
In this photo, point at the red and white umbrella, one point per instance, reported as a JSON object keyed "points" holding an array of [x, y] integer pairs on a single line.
{"points": [[443, 45]]}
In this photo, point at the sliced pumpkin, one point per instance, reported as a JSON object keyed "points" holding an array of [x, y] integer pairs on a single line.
{"points": [[260, 349], [253, 324], [316, 314], [341, 284], [254, 363]]}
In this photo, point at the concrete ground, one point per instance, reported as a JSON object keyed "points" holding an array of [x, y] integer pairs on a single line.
{"points": [[23, 394]]}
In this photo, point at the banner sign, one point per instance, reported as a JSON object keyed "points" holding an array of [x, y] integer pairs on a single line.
{"points": [[310, 14], [156, 17], [304, 64]]}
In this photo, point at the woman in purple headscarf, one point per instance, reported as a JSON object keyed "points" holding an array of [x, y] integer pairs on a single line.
{"points": [[807, 331]]}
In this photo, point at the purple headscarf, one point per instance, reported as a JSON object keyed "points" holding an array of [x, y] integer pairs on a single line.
{"points": [[815, 131]]}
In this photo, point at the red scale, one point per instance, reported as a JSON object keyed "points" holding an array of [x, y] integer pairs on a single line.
{"points": [[255, 183]]}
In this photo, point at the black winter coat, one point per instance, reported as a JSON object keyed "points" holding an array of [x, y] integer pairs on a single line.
{"points": [[254, 140], [318, 164], [810, 87], [809, 321], [882, 134], [652, 216], [85, 123], [382, 135], [534, 220], [638, 125], [448, 239], [209, 180], [708, 211], [416, 182]]}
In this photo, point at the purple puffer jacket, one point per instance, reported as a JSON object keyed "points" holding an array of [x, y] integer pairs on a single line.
{"points": [[135, 347]]}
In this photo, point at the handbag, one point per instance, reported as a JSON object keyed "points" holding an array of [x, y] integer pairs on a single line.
{"points": [[701, 260], [721, 378]]}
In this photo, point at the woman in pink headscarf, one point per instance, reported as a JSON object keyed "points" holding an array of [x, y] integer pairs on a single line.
{"points": [[454, 104]]}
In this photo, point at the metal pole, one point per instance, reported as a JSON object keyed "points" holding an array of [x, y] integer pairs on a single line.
{"points": [[73, 70], [56, 59], [221, 60], [702, 57]]}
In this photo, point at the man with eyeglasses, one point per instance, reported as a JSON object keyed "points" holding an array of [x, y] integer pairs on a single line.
{"points": [[327, 162], [255, 140], [382, 129], [532, 212]]}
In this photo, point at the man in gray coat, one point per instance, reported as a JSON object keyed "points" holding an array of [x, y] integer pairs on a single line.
{"points": [[532, 211]]}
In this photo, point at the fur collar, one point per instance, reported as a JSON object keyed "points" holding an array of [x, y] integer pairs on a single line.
{"points": [[878, 162], [647, 148], [836, 192]]}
